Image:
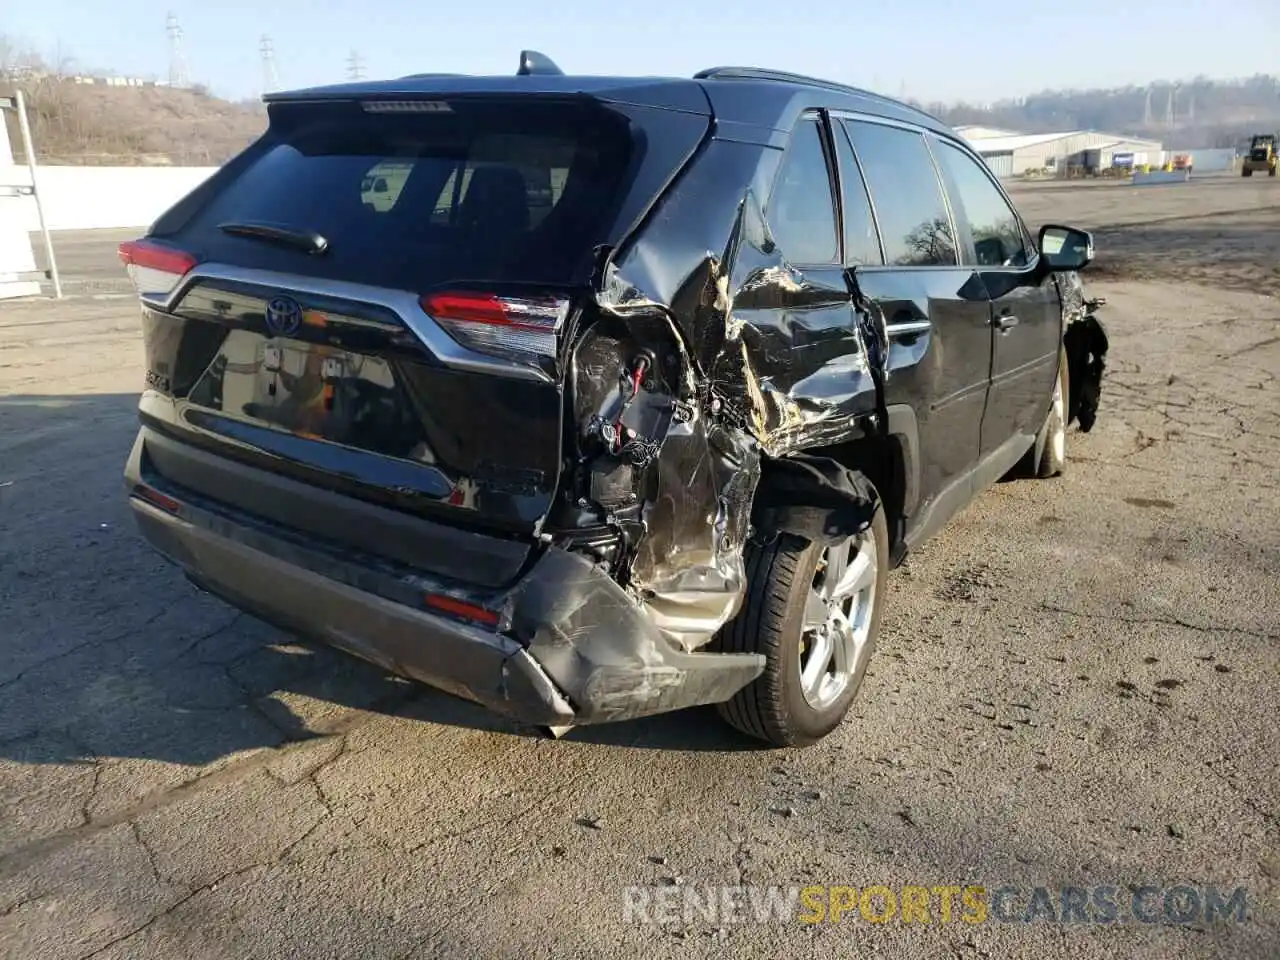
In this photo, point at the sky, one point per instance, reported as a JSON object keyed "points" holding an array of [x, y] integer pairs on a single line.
{"points": [[947, 50]]}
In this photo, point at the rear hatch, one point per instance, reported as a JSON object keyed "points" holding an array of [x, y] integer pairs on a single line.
{"points": [[371, 301]]}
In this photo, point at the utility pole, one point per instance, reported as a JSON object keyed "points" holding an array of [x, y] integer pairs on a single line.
{"points": [[177, 59], [270, 79], [355, 66]]}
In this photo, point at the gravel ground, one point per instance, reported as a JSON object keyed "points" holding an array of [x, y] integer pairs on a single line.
{"points": [[1217, 231], [1077, 686]]}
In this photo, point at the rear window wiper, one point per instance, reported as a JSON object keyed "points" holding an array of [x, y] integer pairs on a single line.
{"points": [[308, 241]]}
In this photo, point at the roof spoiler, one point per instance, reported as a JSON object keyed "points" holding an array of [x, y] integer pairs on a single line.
{"points": [[535, 64], [532, 64]]}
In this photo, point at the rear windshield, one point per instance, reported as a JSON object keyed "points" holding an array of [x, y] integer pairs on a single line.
{"points": [[495, 191]]}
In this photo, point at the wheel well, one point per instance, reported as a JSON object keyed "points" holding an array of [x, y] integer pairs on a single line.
{"points": [[880, 460]]}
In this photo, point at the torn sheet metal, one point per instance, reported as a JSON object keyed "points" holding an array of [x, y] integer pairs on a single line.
{"points": [[1085, 342], [666, 471], [689, 568], [783, 348], [771, 360], [605, 653]]}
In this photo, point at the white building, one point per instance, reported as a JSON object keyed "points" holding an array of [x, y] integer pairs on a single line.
{"points": [[972, 133], [1009, 154]]}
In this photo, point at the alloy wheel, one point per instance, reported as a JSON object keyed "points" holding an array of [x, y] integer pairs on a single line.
{"points": [[1059, 436], [837, 619]]}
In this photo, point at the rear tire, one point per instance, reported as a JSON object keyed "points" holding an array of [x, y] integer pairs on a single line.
{"points": [[787, 585]]}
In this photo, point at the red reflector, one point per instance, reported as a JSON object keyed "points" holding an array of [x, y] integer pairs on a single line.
{"points": [[153, 256], [475, 308], [460, 608], [157, 499]]}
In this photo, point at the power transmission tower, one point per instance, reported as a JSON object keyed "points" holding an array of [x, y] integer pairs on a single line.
{"points": [[270, 79], [177, 59], [1146, 109], [355, 66]]}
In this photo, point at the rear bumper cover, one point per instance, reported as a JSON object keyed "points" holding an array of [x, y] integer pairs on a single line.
{"points": [[571, 646]]}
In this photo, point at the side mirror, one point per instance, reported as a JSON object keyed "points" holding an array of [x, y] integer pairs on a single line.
{"points": [[1065, 248]]}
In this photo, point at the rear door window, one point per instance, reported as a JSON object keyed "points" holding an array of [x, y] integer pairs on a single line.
{"points": [[910, 208], [801, 211], [861, 242], [481, 191]]}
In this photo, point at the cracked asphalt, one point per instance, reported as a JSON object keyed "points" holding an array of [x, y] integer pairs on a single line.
{"points": [[1077, 685]]}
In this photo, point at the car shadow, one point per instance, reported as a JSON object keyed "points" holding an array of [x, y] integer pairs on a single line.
{"points": [[109, 652]]}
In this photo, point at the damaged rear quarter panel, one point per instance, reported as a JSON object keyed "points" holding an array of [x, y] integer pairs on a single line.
{"points": [[768, 359], [777, 343]]}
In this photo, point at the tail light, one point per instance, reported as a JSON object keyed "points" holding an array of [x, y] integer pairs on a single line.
{"points": [[153, 267], [522, 330]]}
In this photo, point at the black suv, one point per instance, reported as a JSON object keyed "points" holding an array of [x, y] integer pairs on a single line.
{"points": [[591, 398]]}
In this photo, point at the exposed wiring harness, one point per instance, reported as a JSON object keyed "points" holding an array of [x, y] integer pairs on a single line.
{"points": [[619, 439]]}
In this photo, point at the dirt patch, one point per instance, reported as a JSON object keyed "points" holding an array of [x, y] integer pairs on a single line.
{"points": [[1238, 251], [1218, 231]]}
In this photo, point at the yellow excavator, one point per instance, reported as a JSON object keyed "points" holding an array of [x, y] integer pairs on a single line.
{"points": [[1261, 156]]}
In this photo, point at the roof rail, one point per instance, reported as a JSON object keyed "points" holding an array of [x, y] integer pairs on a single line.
{"points": [[535, 64], [764, 73]]}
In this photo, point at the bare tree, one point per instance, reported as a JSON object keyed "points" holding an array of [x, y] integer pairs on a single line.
{"points": [[931, 242], [17, 60]]}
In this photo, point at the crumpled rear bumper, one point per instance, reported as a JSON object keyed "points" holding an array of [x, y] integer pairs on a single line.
{"points": [[570, 646]]}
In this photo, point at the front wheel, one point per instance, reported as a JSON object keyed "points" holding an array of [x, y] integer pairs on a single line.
{"points": [[1047, 457], [814, 612], [1052, 440]]}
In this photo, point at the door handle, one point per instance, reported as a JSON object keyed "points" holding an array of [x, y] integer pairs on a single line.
{"points": [[1005, 321]]}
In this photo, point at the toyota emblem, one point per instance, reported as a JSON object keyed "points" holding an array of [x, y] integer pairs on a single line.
{"points": [[284, 316]]}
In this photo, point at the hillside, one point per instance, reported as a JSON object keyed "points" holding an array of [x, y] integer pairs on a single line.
{"points": [[78, 123], [1192, 113]]}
